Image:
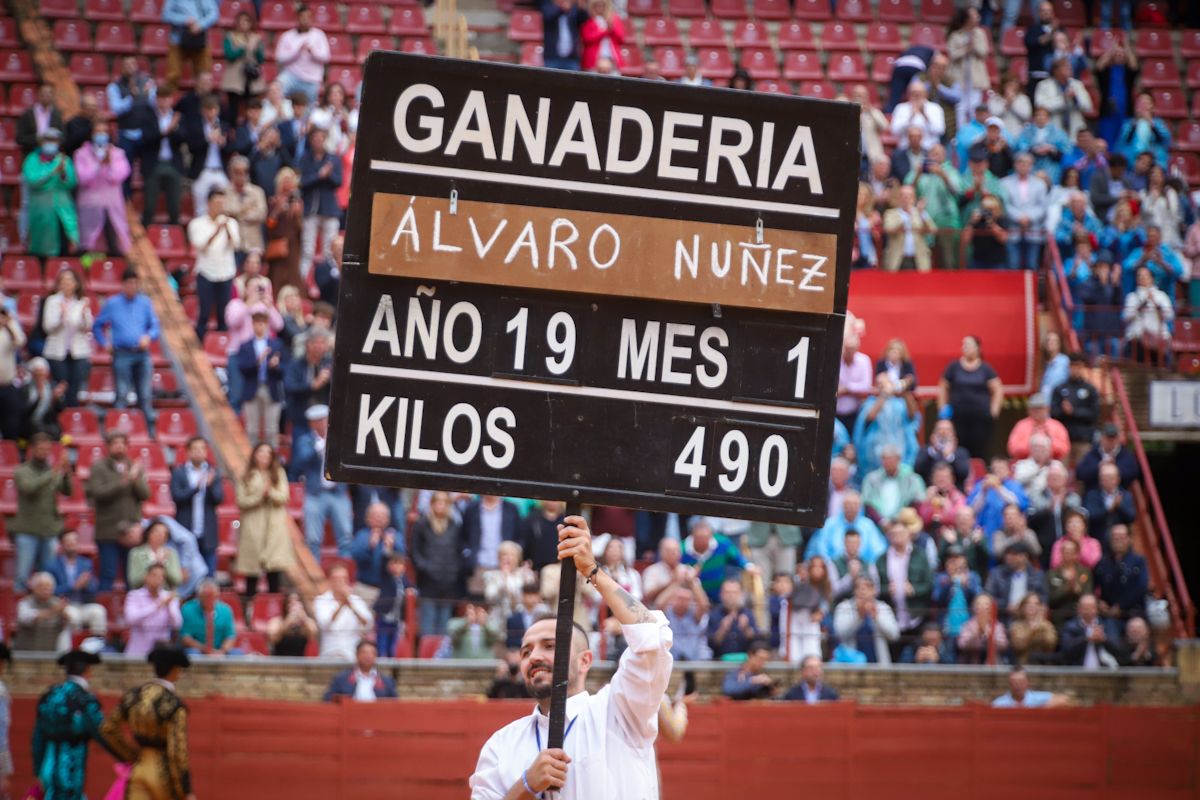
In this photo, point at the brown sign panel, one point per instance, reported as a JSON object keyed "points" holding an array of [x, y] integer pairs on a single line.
{"points": [[623, 255]]}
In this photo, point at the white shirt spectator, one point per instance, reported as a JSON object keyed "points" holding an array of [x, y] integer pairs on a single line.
{"points": [[1147, 311], [929, 118], [341, 628], [68, 326], [307, 65], [215, 260]]}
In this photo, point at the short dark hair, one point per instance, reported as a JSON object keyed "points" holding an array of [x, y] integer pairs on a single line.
{"points": [[40, 437], [531, 588], [851, 532], [301, 8], [130, 274], [757, 646], [365, 643], [193, 440], [114, 435], [579, 629], [210, 101], [298, 99], [255, 103], [324, 309], [158, 566], [216, 191]]}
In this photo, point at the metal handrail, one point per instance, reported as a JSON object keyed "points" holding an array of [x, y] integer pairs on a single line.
{"points": [[1062, 304], [1187, 611]]}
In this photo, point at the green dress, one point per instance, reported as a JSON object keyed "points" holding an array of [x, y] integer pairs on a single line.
{"points": [[51, 204], [68, 717]]}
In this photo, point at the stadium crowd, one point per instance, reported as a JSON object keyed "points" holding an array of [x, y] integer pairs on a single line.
{"points": [[924, 558]]}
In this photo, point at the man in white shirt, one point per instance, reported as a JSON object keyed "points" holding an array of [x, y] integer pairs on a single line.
{"points": [[214, 239], [344, 618], [927, 116], [302, 54], [608, 747]]}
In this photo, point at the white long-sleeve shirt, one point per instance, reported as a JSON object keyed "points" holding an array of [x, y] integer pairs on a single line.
{"points": [[306, 65], [216, 261], [610, 736]]}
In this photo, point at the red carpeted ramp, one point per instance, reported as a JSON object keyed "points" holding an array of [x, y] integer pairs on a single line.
{"points": [[932, 311]]}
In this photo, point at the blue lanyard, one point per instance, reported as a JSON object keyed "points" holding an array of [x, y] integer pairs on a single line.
{"points": [[537, 732]]}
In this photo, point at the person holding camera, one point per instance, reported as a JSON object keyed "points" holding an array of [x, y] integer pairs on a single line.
{"points": [[938, 184], [987, 235]]}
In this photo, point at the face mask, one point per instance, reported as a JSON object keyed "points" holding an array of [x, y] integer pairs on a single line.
{"points": [[50, 148], [100, 140]]}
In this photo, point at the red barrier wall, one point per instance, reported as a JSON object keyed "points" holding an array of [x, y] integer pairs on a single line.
{"points": [[248, 750], [932, 312]]}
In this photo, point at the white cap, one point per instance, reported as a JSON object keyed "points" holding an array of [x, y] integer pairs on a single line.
{"points": [[316, 412]]}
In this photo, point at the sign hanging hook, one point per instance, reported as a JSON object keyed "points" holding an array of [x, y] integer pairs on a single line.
{"points": [[453, 201], [758, 231]]}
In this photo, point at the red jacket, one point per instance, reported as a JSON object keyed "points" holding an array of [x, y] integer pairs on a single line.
{"points": [[594, 32]]}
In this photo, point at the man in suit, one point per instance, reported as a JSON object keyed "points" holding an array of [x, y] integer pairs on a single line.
{"points": [[34, 121], [1011, 581], [1026, 199], [907, 159], [531, 610], [1122, 579], [306, 379], [162, 157], [1084, 641], [293, 133], [323, 499], [363, 683], [906, 227], [811, 689], [75, 582], [261, 361], [196, 491], [211, 144], [562, 21], [1108, 504], [487, 522]]}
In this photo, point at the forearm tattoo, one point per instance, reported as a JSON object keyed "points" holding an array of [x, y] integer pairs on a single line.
{"points": [[639, 611]]}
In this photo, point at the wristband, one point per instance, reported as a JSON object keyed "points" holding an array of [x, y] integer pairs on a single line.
{"points": [[591, 576], [525, 783]]}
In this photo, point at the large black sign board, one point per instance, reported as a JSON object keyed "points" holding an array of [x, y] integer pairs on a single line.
{"points": [[596, 289]]}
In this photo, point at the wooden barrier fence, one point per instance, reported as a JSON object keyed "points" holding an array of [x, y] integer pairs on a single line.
{"points": [[255, 749]]}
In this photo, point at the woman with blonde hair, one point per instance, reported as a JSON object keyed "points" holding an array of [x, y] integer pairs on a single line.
{"points": [[502, 586], [291, 308], [264, 544], [897, 363], [1031, 634], [868, 228], [285, 223]]}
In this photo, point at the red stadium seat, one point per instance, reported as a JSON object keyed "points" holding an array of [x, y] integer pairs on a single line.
{"points": [[365, 19], [631, 60], [155, 40], [216, 344], [8, 496], [1104, 39], [128, 421], [854, 10], [1070, 13], [772, 87], [147, 12], [798, 66], [661, 31], [797, 35], [778, 10], [28, 305], [82, 425], [525, 26], [936, 11], [706, 33], [531, 54], [101, 387], [715, 63], [104, 277], [1187, 138], [11, 164], [341, 49], [104, 10], [231, 8], [176, 426], [1151, 14], [8, 33], [164, 384], [88, 69], [760, 63], [22, 273], [326, 16], [1151, 43], [10, 457], [21, 97], [264, 608], [349, 76], [883, 37], [403, 648], [153, 461], [929, 35], [430, 645], [1189, 44], [59, 9], [847, 67], [1170, 103], [1186, 165], [369, 44], [72, 35], [897, 11], [276, 15], [728, 9], [751, 34], [8, 134], [168, 241], [686, 8], [1020, 68], [329, 562], [670, 61], [839, 36], [421, 46], [160, 502], [115, 37], [1012, 42], [644, 8], [408, 22], [1160, 72], [252, 642], [820, 90], [812, 10]]}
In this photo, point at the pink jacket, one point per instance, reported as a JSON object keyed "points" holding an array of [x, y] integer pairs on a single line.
{"points": [[148, 621], [1090, 553], [100, 195]]}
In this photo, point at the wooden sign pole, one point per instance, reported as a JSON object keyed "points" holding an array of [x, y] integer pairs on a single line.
{"points": [[563, 633]]}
